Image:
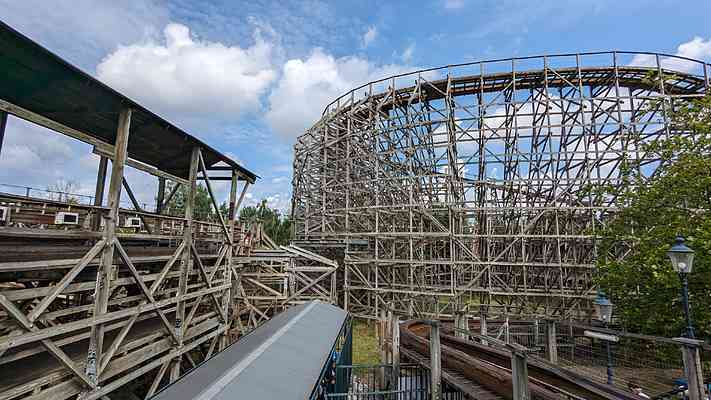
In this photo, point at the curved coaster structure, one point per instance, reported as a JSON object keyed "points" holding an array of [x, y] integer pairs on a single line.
{"points": [[467, 185]]}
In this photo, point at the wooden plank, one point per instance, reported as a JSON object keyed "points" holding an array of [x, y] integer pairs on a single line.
{"points": [[66, 280], [103, 278], [228, 237], [53, 349]]}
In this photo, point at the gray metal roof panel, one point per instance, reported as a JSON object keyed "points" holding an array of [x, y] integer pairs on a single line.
{"points": [[282, 359]]}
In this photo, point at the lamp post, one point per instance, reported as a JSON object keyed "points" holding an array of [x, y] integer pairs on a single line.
{"points": [[682, 259], [603, 309]]}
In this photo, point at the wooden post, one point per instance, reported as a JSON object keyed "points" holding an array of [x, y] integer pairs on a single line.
{"points": [[519, 372], [3, 125], [186, 262], [692, 367], [462, 323], [395, 351], [482, 326], [435, 362], [103, 276], [383, 353], [551, 342], [160, 197], [99, 191], [232, 292]]}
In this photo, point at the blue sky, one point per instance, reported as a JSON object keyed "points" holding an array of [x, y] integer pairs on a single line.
{"points": [[249, 77]]}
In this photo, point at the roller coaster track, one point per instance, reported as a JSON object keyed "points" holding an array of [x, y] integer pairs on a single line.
{"points": [[484, 372]]}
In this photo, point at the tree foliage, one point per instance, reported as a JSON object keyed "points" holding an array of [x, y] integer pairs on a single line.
{"points": [[203, 205], [632, 263], [277, 226]]}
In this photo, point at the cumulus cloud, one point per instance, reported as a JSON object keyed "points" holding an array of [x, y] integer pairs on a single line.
{"points": [[307, 86], [697, 49], [369, 36], [188, 77]]}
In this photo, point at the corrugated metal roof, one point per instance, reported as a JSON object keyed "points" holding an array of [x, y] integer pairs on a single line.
{"points": [[281, 359], [41, 82]]}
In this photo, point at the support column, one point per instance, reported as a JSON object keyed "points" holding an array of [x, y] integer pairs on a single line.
{"points": [[99, 191], [483, 331], [435, 362], [186, 262], [3, 125], [103, 276], [690, 351], [160, 197], [551, 342], [462, 323], [232, 292], [395, 351], [519, 372], [383, 352]]}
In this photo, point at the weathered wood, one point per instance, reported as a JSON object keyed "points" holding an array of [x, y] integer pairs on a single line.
{"points": [[186, 264], [103, 277], [228, 236], [551, 342], [3, 126], [691, 355], [435, 361], [160, 196], [53, 349], [99, 190], [136, 206], [66, 280], [519, 372], [156, 381]]}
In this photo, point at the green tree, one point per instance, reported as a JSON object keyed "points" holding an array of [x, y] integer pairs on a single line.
{"points": [[277, 226], [203, 205], [632, 264]]}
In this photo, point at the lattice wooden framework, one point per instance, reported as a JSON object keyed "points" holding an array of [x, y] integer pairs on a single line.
{"points": [[139, 301], [468, 187]]}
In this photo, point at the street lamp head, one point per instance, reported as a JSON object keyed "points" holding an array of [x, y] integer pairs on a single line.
{"points": [[603, 307], [682, 257]]}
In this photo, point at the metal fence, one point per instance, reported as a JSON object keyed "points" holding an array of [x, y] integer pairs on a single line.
{"points": [[653, 363], [366, 382]]}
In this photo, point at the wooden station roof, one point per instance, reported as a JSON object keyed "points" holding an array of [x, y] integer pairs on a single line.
{"points": [[41, 82]]}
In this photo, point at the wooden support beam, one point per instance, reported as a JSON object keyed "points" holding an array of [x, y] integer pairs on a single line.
{"points": [[172, 193], [99, 190], [156, 381], [435, 362], [551, 342], [66, 280], [104, 273], [160, 196], [3, 126], [228, 237], [691, 354], [186, 264], [395, 350], [136, 206], [53, 349], [519, 372]]}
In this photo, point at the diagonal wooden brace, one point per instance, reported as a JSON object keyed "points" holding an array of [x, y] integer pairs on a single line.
{"points": [[52, 348]]}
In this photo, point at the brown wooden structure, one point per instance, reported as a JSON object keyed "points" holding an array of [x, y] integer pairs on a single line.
{"points": [[467, 185], [95, 296]]}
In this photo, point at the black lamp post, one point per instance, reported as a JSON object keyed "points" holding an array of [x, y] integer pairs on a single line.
{"points": [[682, 259], [603, 309]]}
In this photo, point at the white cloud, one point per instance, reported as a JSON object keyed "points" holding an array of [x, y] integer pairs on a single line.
{"points": [[369, 36], [307, 86], [697, 49], [453, 4], [188, 77], [408, 53]]}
